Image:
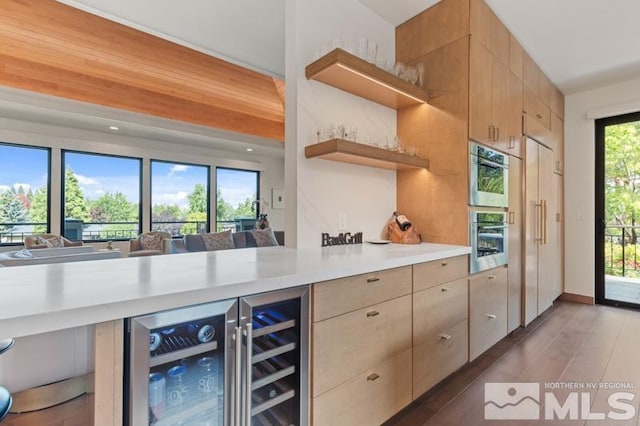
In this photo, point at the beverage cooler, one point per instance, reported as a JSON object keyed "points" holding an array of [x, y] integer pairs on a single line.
{"points": [[240, 362]]}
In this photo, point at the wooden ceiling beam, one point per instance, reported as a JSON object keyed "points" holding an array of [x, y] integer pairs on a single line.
{"points": [[52, 48]]}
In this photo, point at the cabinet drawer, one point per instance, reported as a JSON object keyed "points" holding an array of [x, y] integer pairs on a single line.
{"points": [[369, 398], [487, 310], [534, 107], [438, 308], [336, 297], [439, 355], [430, 274], [347, 345]]}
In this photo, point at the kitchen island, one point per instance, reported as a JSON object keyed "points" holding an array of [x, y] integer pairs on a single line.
{"points": [[44, 298]]}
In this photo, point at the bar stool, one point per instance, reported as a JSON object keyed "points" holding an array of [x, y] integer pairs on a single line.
{"points": [[5, 396]]}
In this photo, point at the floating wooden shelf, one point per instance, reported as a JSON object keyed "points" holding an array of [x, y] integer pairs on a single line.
{"points": [[364, 155], [348, 72]]}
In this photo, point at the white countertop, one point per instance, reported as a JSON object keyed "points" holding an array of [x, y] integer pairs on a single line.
{"points": [[41, 298]]}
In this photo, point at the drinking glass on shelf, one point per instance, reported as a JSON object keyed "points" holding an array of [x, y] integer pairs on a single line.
{"points": [[420, 68], [363, 48], [351, 134], [399, 69], [372, 52]]}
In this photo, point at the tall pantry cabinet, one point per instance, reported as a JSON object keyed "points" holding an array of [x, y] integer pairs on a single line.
{"points": [[483, 86]]}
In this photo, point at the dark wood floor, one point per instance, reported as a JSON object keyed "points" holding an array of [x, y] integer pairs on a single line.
{"points": [[569, 343]]}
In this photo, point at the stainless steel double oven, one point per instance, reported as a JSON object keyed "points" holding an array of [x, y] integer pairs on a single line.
{"points": [[488, 198]]}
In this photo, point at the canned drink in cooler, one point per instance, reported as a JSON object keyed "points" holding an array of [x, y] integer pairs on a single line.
{"points": [[157, 389], [177, 389]]}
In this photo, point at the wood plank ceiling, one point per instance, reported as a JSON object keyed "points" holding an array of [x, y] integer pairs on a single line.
{"points": [[52, 48]]}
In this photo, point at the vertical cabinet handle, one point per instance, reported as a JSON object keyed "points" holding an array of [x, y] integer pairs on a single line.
{"points": [[544, 221], [491, 131], [238, 377], [247, 374], [372, 377], [538, 224], [512, 218], [497, 134]]}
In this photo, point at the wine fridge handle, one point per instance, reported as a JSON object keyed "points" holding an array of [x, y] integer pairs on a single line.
{"points": [[248, 366], [238, 377]]}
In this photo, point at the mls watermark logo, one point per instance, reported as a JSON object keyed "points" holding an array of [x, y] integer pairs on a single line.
{"points": [[524, 401], [512, 401]]}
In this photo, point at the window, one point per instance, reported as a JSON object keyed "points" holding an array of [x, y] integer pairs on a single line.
{"points": [[237, 193], [101, 196], [179, 198], [24, 192]]}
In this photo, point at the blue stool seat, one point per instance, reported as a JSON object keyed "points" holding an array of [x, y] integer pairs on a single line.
{"points": [[5, 403], [5, 345]]}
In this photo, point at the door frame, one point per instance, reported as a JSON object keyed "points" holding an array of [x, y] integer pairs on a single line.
{"points": [[600, 224]]}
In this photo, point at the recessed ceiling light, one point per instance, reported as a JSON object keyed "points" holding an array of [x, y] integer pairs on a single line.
{"points": [[114, 128], [249, 149]]}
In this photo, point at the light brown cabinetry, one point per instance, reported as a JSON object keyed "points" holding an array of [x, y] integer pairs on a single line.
{"points": [[368, 398], [535, 108], [440, 337], [489, 30], [557, 133], [430, 274], [516, 57], [487, 310], [541, 253], [337, 297], [440, 320], [493, 95], [361, 342], [514, 307]]}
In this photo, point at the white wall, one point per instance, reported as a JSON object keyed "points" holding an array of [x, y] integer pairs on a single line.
{"points": [[580, 176], [322, 189]]}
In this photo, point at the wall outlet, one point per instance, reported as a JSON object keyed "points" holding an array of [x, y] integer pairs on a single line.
{"points": [[342, 221]]}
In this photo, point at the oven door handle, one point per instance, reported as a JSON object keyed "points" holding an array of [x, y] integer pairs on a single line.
{"points": [[492, 164]]}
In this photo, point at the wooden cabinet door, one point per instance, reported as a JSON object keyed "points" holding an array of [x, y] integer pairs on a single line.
{"points": [[480, 79], [547, 257], [511, 129], [531, 233], [514, 274], [487, 310], [557, 132], [500, 104], [489, 31], [530, 74], [557, 103], [516, 57]]}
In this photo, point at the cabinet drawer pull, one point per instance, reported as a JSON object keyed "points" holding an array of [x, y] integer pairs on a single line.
{"points": [[491, 277], [444, 263], [539, 116], [372, 377], [491, 316], [373, 314], [373, 279], [444, 289], [445, 336]]}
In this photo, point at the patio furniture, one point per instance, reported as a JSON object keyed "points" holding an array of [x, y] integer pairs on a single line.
{"points": [[42, 241], [150, 244]]}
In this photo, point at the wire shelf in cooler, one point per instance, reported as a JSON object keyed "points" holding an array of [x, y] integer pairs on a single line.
{"points": [[267, 322], [279, 374], [272, 402], [260, 353], [273, 417], [182, 353]]}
